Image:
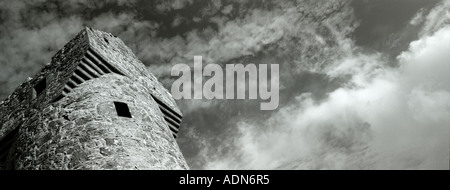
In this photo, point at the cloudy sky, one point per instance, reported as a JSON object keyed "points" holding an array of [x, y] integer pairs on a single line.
{"points": [[364, 84]]}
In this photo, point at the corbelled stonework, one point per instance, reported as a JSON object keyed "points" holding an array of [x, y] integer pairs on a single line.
{"points": [[95, 106]]}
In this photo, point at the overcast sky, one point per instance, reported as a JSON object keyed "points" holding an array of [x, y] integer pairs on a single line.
{"points": [[364, 84]]}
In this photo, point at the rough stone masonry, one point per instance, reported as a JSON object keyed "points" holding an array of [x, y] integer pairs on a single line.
{"points": [[95, 106]]}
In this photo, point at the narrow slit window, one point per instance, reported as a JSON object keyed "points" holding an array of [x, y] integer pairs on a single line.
{"points": [[122, 109], [40, 86], [5, 147]]}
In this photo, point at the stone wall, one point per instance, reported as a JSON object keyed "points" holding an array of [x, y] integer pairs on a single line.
{"points": [[57, 73], [83, 129]]}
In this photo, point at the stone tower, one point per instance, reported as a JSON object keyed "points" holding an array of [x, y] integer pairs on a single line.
{"points": [[95, 106]]}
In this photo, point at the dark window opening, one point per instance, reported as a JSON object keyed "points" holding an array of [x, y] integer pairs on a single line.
{"points": [[122, 109], [5, 147], [40, 86]]}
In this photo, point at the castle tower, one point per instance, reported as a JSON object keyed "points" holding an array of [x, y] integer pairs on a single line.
{"points": [[95, 106]]}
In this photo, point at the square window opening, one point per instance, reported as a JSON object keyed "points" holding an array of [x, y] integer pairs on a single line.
{"points": [[122, 109]]}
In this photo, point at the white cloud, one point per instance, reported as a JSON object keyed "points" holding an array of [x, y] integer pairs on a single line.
{"points": [[438, 17], [227, 9], [418, 18], [384, 118], [427, 61]]}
